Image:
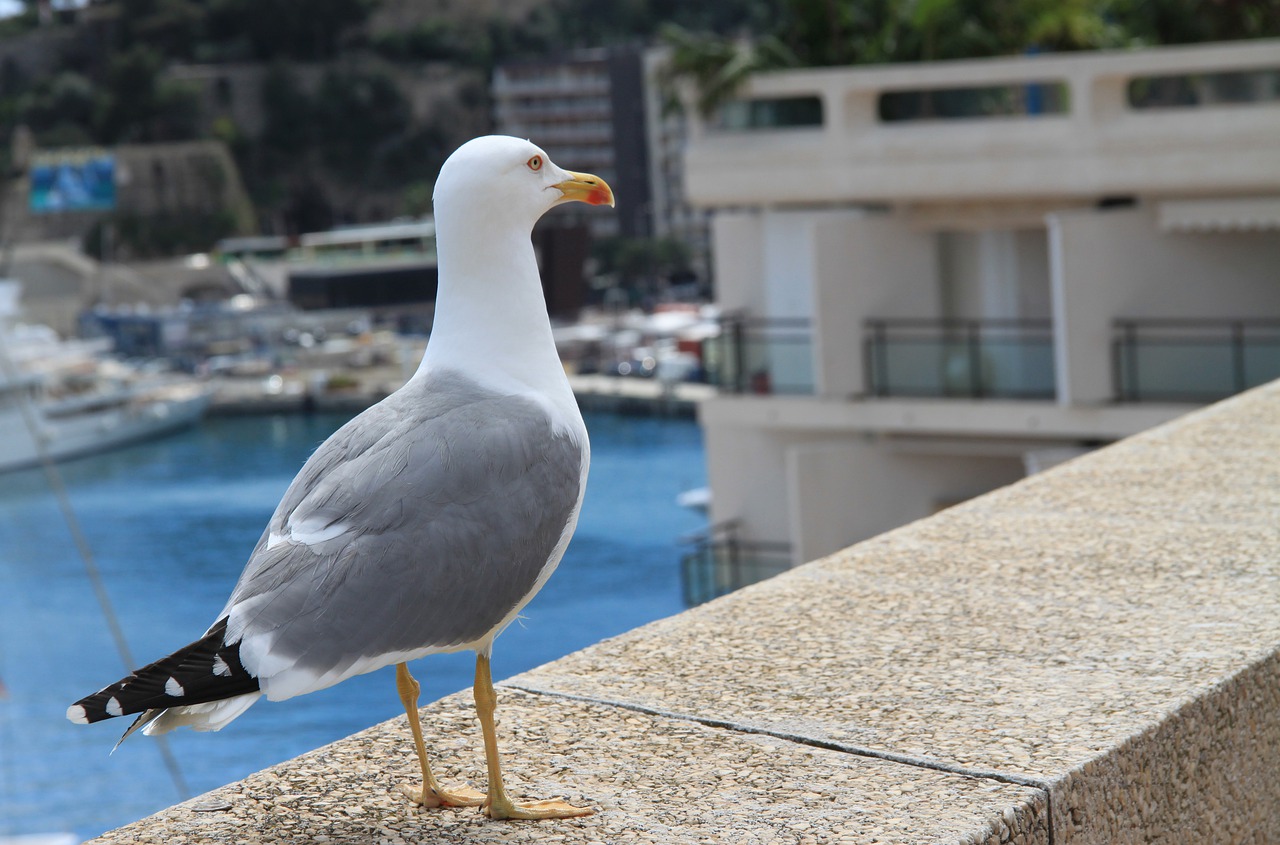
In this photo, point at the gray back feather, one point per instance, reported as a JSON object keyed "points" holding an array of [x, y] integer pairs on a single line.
{"points": [[453, 499]]}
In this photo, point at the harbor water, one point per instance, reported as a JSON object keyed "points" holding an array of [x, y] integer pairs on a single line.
{"points": [[170, 524]]}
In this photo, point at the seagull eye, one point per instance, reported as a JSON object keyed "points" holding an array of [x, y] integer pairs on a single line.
{"points": [[535, 163]]}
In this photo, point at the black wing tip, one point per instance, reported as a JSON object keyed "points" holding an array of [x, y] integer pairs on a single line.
{"points": [[206, 670]]}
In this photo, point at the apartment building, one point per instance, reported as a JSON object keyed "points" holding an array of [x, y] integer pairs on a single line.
{"points": [[603, 110], [671, 214], [943, 276], [586, 110]]}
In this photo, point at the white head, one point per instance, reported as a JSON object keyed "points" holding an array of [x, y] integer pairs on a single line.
{"points": [[491, 318], [498, 180]]}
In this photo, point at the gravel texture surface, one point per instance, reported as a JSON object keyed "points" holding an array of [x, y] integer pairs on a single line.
{"points": [[1089, 656]]}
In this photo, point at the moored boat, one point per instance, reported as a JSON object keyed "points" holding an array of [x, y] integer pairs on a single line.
{"points": [[63, 399]]}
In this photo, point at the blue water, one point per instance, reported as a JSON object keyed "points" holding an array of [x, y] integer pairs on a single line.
{"points": [[170, 524]]}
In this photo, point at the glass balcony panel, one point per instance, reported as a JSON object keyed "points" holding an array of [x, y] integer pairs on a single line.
{"points": [[1016, 368], [1193, 360], [922, 368], [1261, 362], [949, 358], [719, 564], [780, 364], [755, 355], [1176, 370]]}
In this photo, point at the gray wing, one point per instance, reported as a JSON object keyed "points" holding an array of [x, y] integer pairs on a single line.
{"points": [[420, 524]]}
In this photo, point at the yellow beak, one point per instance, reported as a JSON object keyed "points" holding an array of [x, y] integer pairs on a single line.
{"points": [[584, 187]]}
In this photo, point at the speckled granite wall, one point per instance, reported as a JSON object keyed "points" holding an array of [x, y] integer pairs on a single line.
{"points": [[1089, 656], [1207, 773]]}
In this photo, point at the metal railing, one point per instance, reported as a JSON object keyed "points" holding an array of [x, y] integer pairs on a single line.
{"points": [[763, 355], [1192, 360], [719, 562], [981, 359]]}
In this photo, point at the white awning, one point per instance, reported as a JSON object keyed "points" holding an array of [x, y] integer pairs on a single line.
{"points": [[1237, 214]]}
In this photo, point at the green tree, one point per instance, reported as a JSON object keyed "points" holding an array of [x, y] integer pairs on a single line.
{"points": [[841, 32], [717, 67], [140, 106], [61, 105], [357, 116], [417, 199], [643, 263], [23, 22], [172, 28], [303, 30], [1072, 25], [414, 155], [289, 112], [1192, 21]]}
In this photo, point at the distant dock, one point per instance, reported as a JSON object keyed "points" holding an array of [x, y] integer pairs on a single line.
{"points": [[639, 396], [309, 392]]}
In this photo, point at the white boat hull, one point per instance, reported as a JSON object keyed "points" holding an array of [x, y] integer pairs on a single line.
{"points": [[89, 431]]}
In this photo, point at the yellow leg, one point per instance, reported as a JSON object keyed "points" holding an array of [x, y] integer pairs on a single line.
{"points": [[431, 794], [498, 805]]}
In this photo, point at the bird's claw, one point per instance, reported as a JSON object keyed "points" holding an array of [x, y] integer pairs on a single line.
{"points": [[462, 796], [534, 810]]}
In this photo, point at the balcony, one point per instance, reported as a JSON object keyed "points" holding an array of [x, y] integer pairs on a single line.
{"points": [[720, 562], [1192, 360], [977, 359], [762, 355], [565, 81], [1153, 360]]}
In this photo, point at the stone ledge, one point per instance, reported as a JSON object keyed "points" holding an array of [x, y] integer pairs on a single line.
{"points": [[1088, 656], [651, 779]]}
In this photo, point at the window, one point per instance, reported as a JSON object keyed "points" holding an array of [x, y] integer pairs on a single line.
{"points": [[773, 113], [1019, 100], [223, 92], [1191, 90]]}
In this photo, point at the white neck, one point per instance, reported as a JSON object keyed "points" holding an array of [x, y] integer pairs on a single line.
{"points": [[491, 318]]}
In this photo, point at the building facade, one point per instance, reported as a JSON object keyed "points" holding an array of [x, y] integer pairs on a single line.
{"points": [[672, 215], [603, 111], [586, 110], [943, 276]]}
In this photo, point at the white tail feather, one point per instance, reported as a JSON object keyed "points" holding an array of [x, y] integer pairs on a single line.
{"points": [[211, 716]]}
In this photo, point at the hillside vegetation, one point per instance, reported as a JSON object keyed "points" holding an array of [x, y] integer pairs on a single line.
{"points": [[340, 139]]}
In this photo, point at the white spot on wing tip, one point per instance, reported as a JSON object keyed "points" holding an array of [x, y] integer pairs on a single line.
{"points": [[220, 666], [173, 688], [113, 707], [77, 714]]}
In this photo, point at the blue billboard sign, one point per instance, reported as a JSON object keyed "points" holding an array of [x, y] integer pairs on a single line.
{"points": [[83, 180]]}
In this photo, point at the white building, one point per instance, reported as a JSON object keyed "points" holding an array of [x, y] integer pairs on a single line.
{"points": [[949, 274], [667, 130]]}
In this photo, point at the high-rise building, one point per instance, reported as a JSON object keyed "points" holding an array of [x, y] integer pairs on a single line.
{"points": [[577, 108]]}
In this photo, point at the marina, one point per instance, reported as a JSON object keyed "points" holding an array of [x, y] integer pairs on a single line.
{"points": [[170, 523], [895, 391], [61, 399]]}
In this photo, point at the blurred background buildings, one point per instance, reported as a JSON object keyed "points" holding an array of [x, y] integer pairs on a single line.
{"points": [[940, 246], [898, 253], [947, 275]]}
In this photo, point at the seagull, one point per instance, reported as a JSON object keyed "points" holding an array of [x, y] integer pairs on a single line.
{"points": [[425, 524]]}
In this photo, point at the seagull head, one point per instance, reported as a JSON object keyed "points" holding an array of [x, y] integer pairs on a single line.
{"points": [[500, 177]]}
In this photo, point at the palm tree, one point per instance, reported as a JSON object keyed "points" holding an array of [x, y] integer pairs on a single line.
{"points": [[717, 66], [809, 33]]}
